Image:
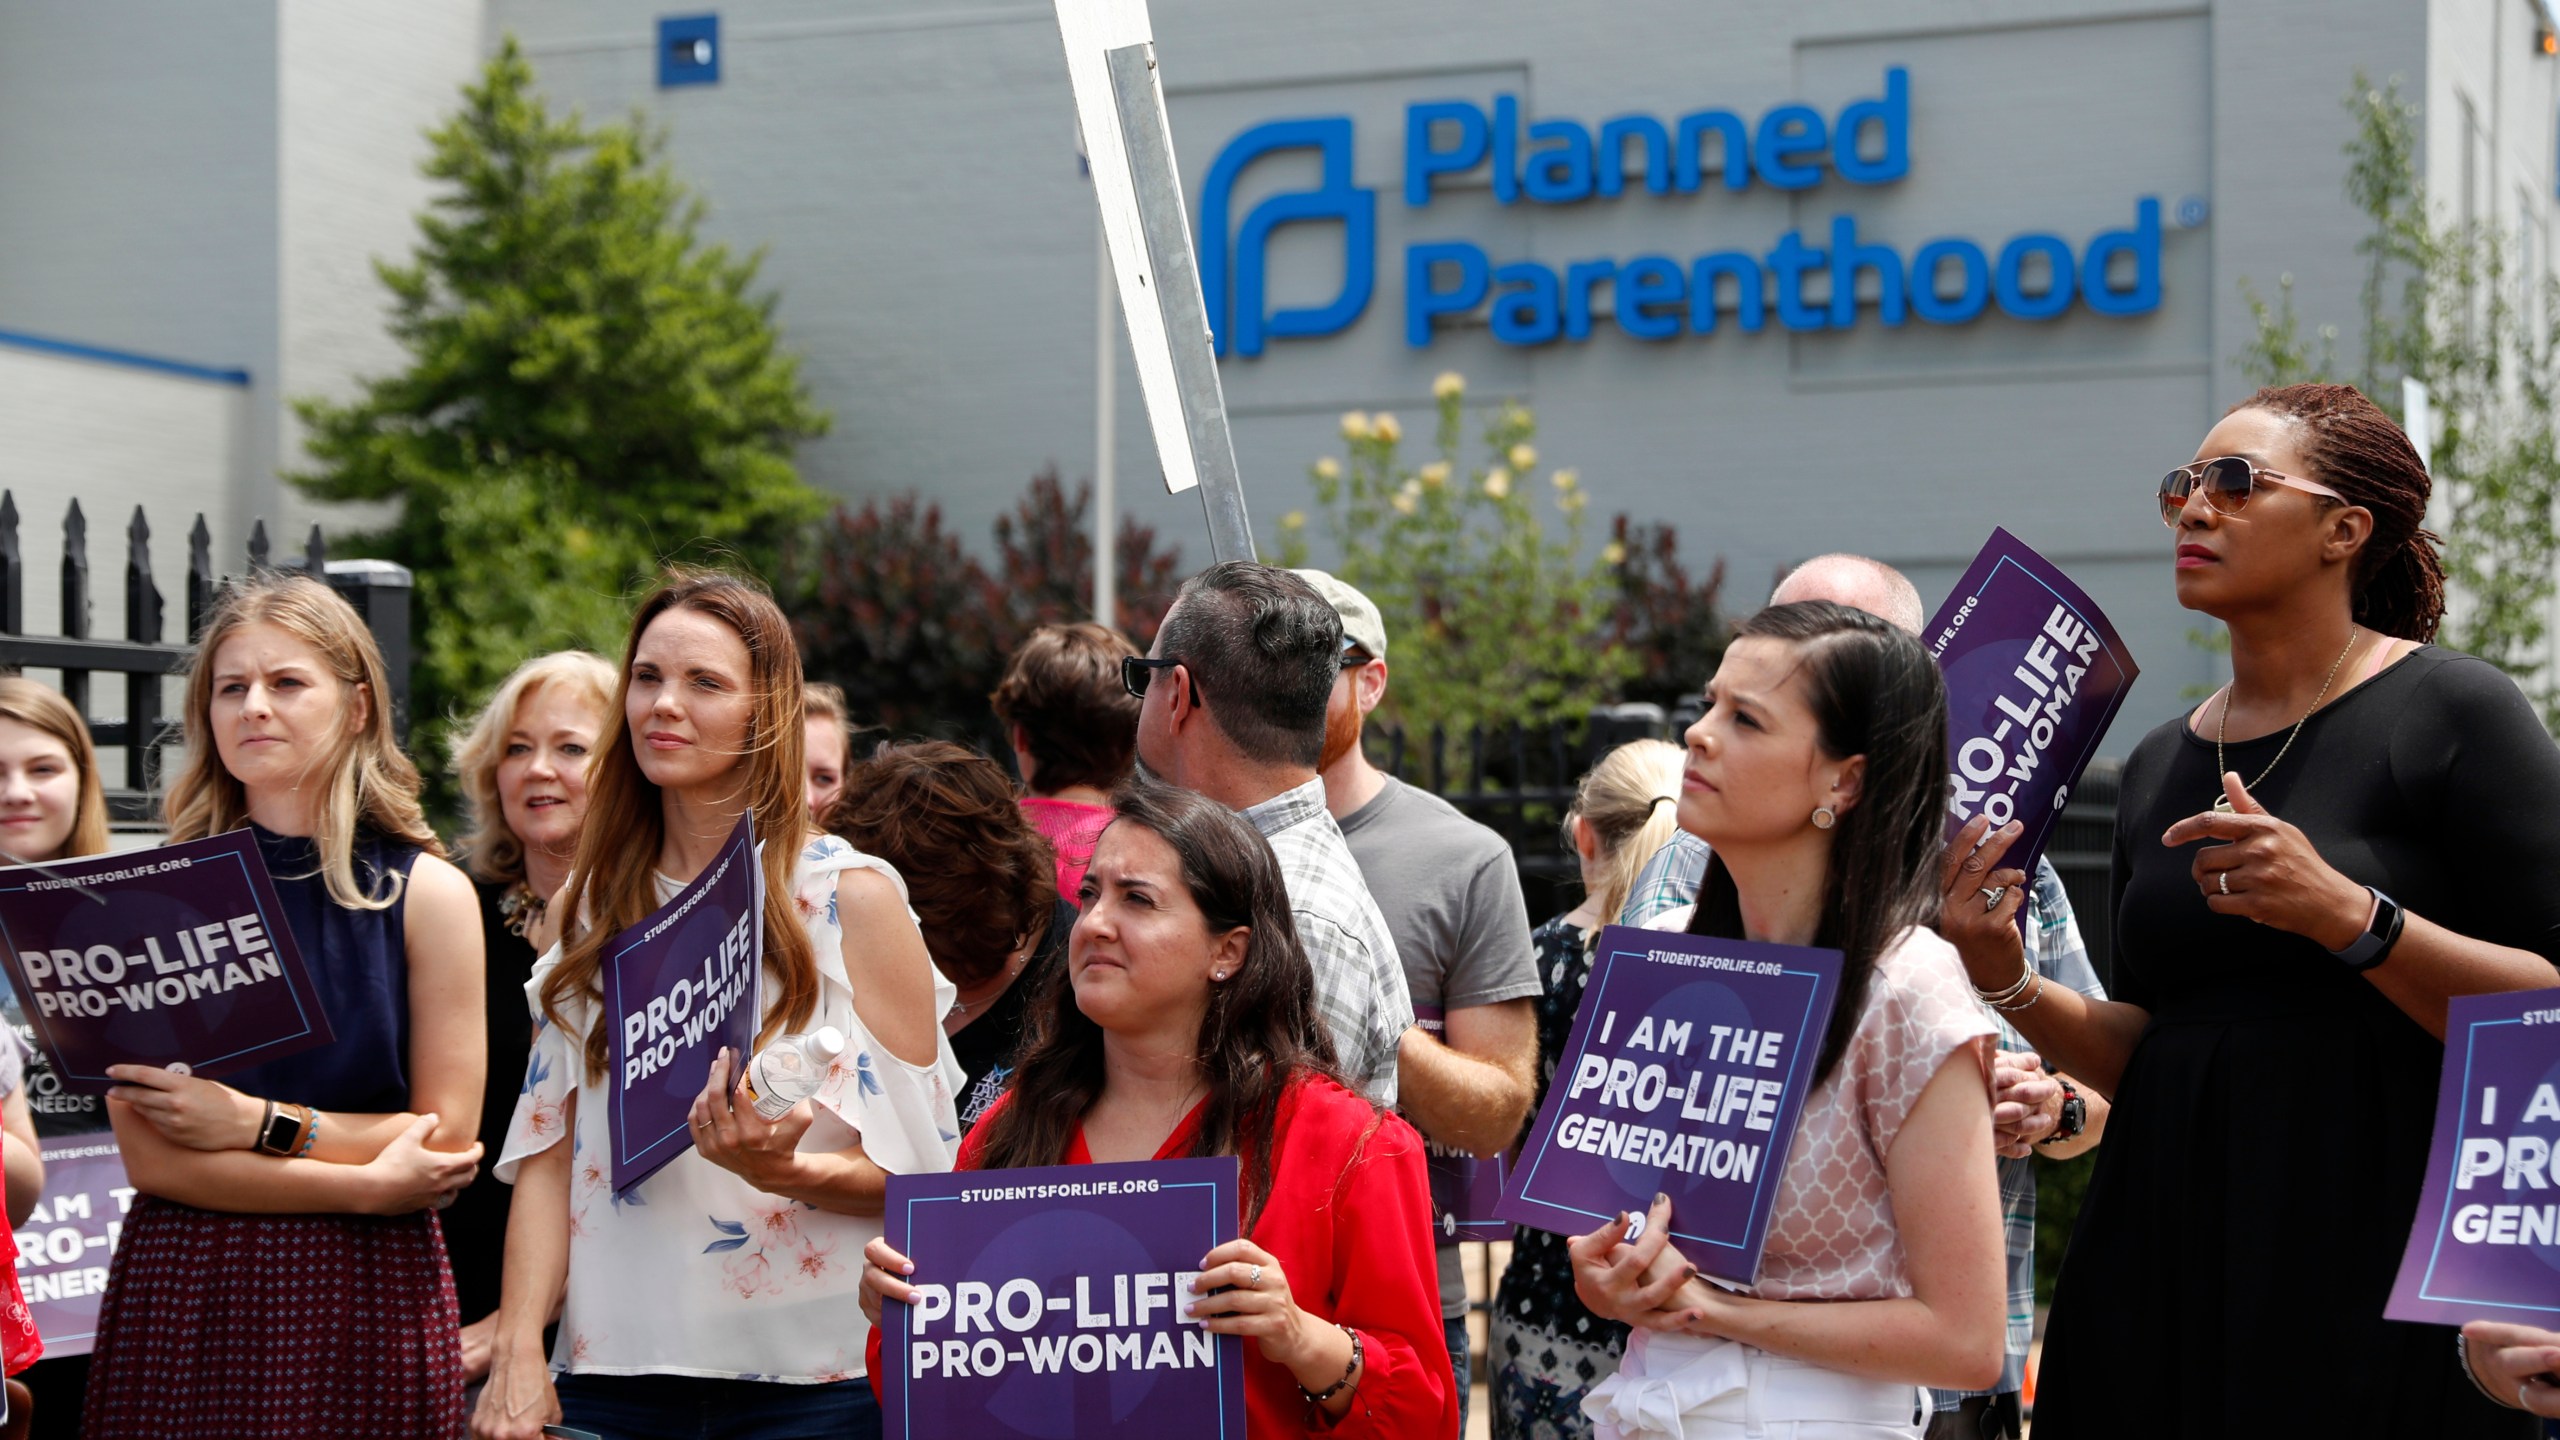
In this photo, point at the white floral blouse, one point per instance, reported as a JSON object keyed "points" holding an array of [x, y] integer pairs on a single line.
{"points": [[694, 1271]]}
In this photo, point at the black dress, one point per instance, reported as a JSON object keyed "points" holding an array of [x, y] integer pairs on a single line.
{"points": [[1548, 1348], [988, 1046], [475, 1225], [2261, 1168]]}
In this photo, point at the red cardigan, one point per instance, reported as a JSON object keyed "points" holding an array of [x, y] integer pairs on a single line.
{"points": [[1348, 1201]]}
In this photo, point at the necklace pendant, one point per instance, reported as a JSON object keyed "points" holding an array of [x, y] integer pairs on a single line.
{"points": [[2222, 805]]}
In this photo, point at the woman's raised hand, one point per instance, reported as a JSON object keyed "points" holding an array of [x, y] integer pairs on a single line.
{"points": [[2269, 871]]}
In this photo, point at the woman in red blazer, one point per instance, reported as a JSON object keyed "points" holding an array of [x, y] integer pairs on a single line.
{"points": [[1186, 1025]]}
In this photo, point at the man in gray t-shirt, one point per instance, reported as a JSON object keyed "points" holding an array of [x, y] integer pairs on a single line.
{"points": [[1450, 891]]}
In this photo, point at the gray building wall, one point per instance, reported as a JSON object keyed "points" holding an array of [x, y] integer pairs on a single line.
{"points": [[211, 183]]}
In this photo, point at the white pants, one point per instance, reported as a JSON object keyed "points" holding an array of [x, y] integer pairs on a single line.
{"points": [[1688, 1387]]}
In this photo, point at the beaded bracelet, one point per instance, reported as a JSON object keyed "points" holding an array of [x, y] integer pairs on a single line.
{"points": [[1316, 1397], [310, 1130]]}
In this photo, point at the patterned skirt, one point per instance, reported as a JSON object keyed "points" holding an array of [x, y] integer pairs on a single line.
{"points": [[242, 1327]]}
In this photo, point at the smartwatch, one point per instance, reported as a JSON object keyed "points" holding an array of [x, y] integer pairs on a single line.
{"points": [[2374, 946], [279, 1132], [2074, 1117]]}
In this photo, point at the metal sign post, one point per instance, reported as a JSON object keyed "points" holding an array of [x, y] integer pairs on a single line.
{"points": [[1111, 65]]}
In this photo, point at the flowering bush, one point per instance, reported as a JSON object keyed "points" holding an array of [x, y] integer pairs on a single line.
{"points": [[1670, 624], [1493, 615], [917, 630]]}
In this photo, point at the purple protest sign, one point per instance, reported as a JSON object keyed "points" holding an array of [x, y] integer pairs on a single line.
{"points": [[174, 956], [1684, 1076], [1464, 1189], [1050, 1303], [2034, 674], [64, 1247], [678, 986], [2486, 1242]]}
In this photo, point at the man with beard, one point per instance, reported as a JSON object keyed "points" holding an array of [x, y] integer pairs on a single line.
{"points": [[1450, 891]]}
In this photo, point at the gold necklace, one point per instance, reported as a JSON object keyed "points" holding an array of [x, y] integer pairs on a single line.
{"points": [[2222, 727]]}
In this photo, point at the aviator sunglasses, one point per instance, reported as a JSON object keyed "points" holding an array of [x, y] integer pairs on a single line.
{"points": [[2227, 482]]}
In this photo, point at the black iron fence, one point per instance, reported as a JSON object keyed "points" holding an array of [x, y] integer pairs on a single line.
{"points": [[145, 658], [1520, 782]]}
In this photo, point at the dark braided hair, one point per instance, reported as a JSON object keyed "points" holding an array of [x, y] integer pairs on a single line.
{"points": [[2351, 446]]}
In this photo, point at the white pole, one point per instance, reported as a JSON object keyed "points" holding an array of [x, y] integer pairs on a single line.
{"points": [[1106, 376]]}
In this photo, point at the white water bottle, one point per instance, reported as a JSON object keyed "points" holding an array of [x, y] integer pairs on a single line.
{"points": [[790, 1070]]}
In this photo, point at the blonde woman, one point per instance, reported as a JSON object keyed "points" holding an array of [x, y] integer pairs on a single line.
{"points": [[306, 1292], [52, 807], [523, 768], [1548, 1348], [719, 1296], [830, 747]]}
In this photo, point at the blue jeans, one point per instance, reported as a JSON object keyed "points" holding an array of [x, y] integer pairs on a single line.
{"points": [[683, 1407], [1458, 1361]]}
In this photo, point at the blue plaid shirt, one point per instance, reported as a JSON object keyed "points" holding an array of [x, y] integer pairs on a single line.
{"points": [[2053, 944]]}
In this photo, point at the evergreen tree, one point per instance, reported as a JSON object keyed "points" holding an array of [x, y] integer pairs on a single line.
{"points": [[591, 389]]}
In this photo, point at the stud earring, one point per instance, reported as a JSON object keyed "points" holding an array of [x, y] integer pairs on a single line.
{"points": [[1217, 974], [1823, 818]]}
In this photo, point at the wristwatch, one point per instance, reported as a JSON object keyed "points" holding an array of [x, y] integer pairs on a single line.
{"points": [[2074, 1117], [278, 1131], [2374, 946]]}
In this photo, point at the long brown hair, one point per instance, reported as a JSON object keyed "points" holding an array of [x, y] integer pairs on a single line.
{"points": [[612, 885], [1261, 1033], [979, 877], [2351, 446], [1873, 691], [365, 780], [41, 707]]}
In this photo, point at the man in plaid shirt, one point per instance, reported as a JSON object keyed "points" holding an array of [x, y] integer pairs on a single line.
{"points": [[2028, 1102], [1232, 704]]}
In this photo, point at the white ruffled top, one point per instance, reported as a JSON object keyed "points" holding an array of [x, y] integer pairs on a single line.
{"points": [[694, 1271]]}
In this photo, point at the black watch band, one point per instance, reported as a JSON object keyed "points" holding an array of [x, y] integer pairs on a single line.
{"points": [[2374, 946], [2073, 1119], [278, 1131]]}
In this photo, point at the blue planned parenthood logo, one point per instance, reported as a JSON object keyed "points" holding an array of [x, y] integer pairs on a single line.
{"points": [[1827, 281]]}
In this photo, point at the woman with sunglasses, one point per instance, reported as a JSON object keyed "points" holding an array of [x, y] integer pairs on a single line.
{"points": [[2308, 866]]}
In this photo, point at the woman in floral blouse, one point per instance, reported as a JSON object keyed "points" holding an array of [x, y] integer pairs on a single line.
{"points": [[719, 1295]]}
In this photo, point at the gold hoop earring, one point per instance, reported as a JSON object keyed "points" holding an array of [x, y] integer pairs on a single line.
{"points": [[1824, 818]]}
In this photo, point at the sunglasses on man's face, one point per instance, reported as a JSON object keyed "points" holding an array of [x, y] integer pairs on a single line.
{"points": [[1136, 671], [2227, 482]]}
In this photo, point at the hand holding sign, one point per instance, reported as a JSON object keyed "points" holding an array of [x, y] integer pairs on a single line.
{"points": [[2516, 1360], [1627, 1270], [1979, 900], [186, 1109], [2270, 872]]}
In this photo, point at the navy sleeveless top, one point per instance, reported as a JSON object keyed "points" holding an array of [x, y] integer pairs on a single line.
{"points": [[359, 964]]}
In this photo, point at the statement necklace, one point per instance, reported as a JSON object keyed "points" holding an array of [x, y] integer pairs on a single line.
{"points": [[521, 909], [2222, 727]]}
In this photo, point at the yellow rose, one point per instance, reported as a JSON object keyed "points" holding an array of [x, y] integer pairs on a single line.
{"points": [[1567, 479], [1449, 383], [1294, 520], [1573, 501], [1436, 474], [1406, 502], [1355, 426], [1328, 468], [1522, 456], [1386, 427], [1613, 553], [1498, 483]]}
